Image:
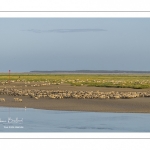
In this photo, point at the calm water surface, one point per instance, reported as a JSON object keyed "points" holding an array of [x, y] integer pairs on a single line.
{"points": [[36, 120]]}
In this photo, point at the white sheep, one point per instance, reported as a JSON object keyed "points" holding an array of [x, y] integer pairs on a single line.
{"points": [[17, 100], [20, 100], [2, 99]]}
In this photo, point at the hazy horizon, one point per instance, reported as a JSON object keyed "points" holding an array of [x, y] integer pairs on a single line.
{"points": [[48, 44]]}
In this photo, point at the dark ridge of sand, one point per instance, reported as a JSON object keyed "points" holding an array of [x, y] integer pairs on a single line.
{"points": [[136, 105], [91, 71]]}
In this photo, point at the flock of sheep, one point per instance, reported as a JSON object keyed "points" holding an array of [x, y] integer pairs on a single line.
{"points": [[32, 83], [80, 82], [60, 94], [63, 94]]}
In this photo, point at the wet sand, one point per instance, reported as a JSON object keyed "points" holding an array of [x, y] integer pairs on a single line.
{"points": [[135, 105]]}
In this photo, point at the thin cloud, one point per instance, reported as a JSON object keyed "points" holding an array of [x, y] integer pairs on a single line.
{"points": [[64, 30]]}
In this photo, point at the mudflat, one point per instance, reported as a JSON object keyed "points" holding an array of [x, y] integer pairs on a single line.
{"points": [[135, 105]]}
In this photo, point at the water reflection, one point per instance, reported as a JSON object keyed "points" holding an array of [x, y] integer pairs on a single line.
{"points": [[34, 120]]}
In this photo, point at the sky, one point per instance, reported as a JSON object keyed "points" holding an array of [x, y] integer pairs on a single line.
{"points": [[47, 44]]}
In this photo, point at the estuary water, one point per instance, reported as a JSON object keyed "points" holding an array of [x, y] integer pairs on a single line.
{"points": [[36, 120]]}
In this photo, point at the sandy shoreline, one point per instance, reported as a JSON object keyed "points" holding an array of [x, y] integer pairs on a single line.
{"points": [[136, 105]]}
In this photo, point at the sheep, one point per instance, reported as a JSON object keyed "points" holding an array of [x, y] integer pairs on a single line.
{"points": [[18, 100], [36, 97], [2, 99]]}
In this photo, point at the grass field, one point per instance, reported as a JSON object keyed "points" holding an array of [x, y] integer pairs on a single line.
{"points": [[136, 81]]}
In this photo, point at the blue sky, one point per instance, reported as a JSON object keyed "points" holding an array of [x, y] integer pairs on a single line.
{"points": [[74, 44]]}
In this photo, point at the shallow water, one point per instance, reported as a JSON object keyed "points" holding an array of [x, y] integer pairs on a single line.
{"points": [[36, 120]]}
